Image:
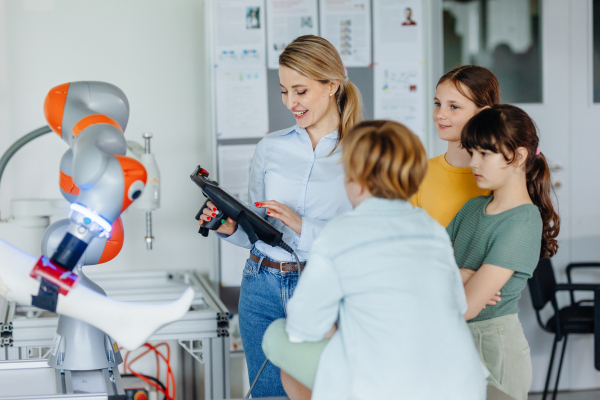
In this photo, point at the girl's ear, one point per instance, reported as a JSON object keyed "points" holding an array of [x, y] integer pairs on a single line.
{"points": [[521, 155]]}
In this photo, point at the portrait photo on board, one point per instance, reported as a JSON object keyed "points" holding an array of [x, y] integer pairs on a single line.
{"points": [[252, 18]]}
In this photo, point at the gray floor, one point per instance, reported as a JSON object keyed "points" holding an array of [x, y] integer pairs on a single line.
{"points": [[586, 395]]}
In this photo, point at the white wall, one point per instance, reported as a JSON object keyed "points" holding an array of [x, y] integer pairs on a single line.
{"points": [[151, 49]]}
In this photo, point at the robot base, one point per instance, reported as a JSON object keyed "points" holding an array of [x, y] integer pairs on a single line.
{"points": [[96, 381], [86, 359]]}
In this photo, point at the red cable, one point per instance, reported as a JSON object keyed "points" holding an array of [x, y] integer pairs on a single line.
{"points": [[156, 386], [159, 355], [170, 374]]}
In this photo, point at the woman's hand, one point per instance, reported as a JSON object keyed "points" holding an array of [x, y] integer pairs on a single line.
{"points": [[282, 213], [210, 211]]}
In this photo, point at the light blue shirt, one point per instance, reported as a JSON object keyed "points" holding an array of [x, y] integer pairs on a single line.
{"points": [[386, 273], [311, 183]]}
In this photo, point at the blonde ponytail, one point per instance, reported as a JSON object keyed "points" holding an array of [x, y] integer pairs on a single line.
{"points": [[317, 59], [350, 103]]}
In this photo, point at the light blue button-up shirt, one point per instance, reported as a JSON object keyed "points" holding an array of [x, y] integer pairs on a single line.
{"points": [[386, 273], [311, 183]]}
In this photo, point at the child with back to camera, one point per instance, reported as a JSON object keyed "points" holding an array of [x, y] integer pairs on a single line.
{"points": [[385, 274], [499, 239]]}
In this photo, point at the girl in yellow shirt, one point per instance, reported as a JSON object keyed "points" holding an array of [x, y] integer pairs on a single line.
{"points": [[449, 184]]}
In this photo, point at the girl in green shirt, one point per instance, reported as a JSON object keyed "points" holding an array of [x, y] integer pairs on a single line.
{"points": [[499, 239]]}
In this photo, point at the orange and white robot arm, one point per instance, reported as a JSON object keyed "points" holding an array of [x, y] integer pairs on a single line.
{"points": [[95, 177], [100, 182]]}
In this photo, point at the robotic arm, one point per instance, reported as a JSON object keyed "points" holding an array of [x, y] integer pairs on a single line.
{"points": [[100, 183], [95, 177]]}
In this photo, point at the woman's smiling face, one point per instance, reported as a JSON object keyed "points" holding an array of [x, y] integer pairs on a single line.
{"points": [[308, 99]]}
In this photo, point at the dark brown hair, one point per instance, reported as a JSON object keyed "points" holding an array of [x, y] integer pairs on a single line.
{"points": [[482, 84], [317, 59], [503, 129], [384, 157]]}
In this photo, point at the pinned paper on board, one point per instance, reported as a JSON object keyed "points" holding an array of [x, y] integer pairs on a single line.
{"points": [[240, 70], [241, 97], [398, 31], [347, 25], [398, 63], [286, 20], [234, 167], [240, 32], [399, 94]]}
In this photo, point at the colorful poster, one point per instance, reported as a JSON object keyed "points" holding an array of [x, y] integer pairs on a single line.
{"points": [[347, 25], [286, 20]]}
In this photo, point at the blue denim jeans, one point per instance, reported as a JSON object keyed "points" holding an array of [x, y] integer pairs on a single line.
{"points": [[263, 299]]}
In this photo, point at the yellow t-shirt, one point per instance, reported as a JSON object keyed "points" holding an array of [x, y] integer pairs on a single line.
{"points": [[446, 189]]}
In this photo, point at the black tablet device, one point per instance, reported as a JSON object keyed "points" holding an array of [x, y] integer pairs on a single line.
{"points": [[253, 224]]}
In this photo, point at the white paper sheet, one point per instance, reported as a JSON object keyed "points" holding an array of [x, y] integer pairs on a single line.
{"points": [[235, 162], [399, 95], [286, 20], [240, 32], [399, 64], [233, 260], [398, 31], [347, 25], [241, 97], [240, 69], [234, 173]]}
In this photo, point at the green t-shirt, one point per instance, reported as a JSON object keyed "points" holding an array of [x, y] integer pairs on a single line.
{"points": [[511, 239]]}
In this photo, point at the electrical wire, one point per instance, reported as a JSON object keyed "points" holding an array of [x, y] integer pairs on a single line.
{"points": [[158, 354], [147, 377], [256, 379], [165, 389], [287, 248], [16, 146]]}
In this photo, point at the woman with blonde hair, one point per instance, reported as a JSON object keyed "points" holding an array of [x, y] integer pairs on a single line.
{"points": [[297, 184]]}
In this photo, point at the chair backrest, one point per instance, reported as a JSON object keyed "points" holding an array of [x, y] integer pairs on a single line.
{"points": [[542, 284]]}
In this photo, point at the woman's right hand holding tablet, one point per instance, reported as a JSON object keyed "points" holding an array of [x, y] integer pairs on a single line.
{"points": [[228, 228]]}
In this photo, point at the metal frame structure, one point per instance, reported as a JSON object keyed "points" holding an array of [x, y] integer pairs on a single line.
{"points": [[203, 333]]}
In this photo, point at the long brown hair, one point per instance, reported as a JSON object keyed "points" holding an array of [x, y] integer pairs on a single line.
{"points": [[317, 59], [482, 84], [503, 129]]}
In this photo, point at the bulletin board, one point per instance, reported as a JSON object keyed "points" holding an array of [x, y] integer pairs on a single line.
{"points": [[381, 45]]}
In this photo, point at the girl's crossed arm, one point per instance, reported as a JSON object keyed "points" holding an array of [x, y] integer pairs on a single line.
{"points": [[483, 285]]}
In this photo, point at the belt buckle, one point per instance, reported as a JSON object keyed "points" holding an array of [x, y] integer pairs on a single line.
{"points": [[281, 266]]}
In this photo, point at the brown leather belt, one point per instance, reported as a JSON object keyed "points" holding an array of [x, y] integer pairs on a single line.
{"points": [[285, 266]]}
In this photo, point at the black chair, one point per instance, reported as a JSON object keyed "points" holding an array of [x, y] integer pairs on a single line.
{"points": [[579, 317]]}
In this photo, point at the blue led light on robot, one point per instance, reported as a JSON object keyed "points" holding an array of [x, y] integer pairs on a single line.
{"points": [[86, 212]]}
